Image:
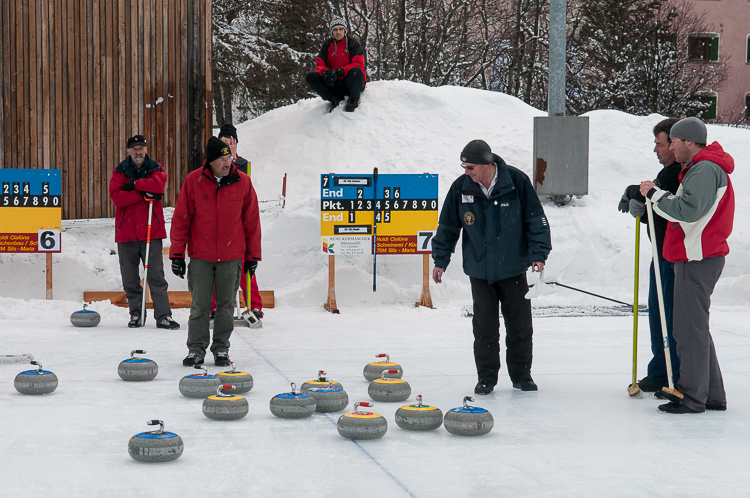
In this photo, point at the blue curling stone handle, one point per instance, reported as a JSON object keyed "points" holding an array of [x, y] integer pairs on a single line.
{"points": [[163, 435]]}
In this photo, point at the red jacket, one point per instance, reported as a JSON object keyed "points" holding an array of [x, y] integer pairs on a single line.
{"points": [[131, 211], [346, 53], [702, 211], [216, 221]]}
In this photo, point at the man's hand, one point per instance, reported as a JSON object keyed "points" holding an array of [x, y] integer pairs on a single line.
{"points": [[624, 201], [250, 267], [437, 274], [637, 208], [537, 266], [329, 78], [646, 186], [233, 147], [340, 73], [148, 196], [129, 185], [178, 267]]}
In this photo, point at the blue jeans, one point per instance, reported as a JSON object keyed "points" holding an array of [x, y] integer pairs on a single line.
{"points": [[657, 367]]}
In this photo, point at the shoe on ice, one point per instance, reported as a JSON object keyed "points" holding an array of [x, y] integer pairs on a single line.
{"points": [[192, 359], [674, 398], [649, 386], [716, 407], [221, 359], [675, 408], [525, 385], [483, 388], [258, 313], [168, 323], [135, 319]]}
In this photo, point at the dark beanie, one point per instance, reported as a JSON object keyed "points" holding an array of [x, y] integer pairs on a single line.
{"points": [[690, 129], [228, 130], [477, 152], [216, 149]]}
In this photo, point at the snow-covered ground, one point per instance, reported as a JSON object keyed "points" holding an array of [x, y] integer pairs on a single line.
{"points": [[580, 435]]}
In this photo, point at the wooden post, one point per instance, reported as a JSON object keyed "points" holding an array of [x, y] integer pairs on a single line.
{"points": [[426, 298], [331, 302], [49, 275]]}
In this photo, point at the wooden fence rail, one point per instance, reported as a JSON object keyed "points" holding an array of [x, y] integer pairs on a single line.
{"points": [[80, 76]]}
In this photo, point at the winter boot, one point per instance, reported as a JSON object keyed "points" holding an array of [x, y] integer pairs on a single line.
{"points": [[483, 387], [221, 359], [351, 104], [135, 319], [192, 359], [167, 323], [335, 101]]}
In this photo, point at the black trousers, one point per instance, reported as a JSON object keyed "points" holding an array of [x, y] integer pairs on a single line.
{"points": [[509, 294], [353, 84]]}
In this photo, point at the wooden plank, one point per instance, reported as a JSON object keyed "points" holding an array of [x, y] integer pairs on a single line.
{"points": [[110, 110], [18, 153], [69, 120], [57, 108], [145, 33], [29, 38], [171, 109], [48, 274], [138, 50], [96, 119], [158, 37], [45, 36], [31, 64], [177, 299], [133, 73], [5, 61], [84, 141], [120, 97], [182, 80]]}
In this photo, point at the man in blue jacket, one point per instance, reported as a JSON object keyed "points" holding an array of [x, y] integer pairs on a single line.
{"points": [[504, 232]]}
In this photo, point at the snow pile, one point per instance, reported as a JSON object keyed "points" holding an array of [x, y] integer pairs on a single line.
{"points": [[403, 127]]}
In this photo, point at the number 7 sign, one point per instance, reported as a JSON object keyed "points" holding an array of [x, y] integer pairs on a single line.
{"points": [[424, 241]]}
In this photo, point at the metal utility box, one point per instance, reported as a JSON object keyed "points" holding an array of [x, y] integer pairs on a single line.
{"points": [[561, 155]]}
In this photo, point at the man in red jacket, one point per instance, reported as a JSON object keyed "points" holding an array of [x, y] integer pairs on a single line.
{"points": [[135, 182], [339, 69], [217, 221], [701, 215]]}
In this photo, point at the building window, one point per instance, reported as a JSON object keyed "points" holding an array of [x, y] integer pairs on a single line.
{"points": [[747, 107], [710, 113], [703, 47]]}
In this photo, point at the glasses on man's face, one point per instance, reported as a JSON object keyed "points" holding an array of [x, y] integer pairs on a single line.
{"points": [[470, 167]]}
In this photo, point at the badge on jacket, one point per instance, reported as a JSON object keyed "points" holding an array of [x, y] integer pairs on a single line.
{"points": [[467, 199], [469, 218]]}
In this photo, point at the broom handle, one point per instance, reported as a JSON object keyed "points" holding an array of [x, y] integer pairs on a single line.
{"points": [[145, 263], [635, 300], [659, 293]]}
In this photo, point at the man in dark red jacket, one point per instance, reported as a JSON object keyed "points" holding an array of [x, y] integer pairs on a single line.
{"points": [[217, 221], [339, 69], [135, 182]]}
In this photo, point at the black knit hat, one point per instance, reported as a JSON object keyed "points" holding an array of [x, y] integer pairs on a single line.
{"points": [[216, 149], [136, 140], [477, 152], [228, 130]]}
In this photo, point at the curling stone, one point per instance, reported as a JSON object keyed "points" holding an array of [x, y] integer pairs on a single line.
{"points": [[242, 380], [373, 370], [293, 404], [468, 420], [199, 385], [419, 417], [155, 446], [85, 318], [137, 369], [321, 381], [383, 389], [362, 425], [331, 398], [222, 406], [35, 381]]}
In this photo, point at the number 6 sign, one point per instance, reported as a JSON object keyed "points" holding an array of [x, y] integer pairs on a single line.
{"points": [[48, 240]]}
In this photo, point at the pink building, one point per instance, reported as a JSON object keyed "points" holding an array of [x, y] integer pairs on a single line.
{"points": [[729, 35]]}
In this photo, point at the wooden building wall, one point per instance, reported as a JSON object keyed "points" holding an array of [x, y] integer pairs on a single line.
{"points": [[80, 76]]}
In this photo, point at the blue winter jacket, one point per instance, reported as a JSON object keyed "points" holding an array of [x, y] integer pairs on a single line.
{"points": [[503, 235]]}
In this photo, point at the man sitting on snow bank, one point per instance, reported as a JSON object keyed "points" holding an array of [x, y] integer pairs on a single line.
{"points": [[339, 69]]}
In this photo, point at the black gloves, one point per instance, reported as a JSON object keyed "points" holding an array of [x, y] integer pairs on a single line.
{"points": [[250, 267], [178, 267], [637, 208], [340, 72], [329, 77], [129, 185], [624, 201], [152, 197]]}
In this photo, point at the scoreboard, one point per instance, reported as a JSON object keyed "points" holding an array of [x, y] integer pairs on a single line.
{"points": [[30, 210], [402, 206]]}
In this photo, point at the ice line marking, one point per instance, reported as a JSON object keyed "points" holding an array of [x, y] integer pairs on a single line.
{"points": [[329, 418]]}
